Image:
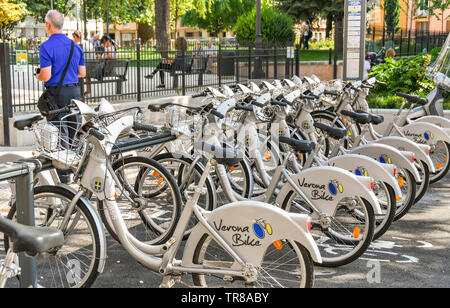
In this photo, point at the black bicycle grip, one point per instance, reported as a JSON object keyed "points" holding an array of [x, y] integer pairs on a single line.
{"points": [[330, 92], [58, 111], [145, 127], [304, 96], [276, 102], [283, 100], [199, 95], [257, 104], [217, 114], [97, 134], [243, 107]]}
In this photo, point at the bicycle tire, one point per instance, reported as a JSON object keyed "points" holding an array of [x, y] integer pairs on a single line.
{"points": [[94, 225], [154, 235], [434, 178], [359, 246]]}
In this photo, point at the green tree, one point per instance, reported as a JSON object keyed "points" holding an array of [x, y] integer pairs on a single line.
{"points": [[433, 7], [10, 13], [392, 9], [217, 16], [276, 26]]}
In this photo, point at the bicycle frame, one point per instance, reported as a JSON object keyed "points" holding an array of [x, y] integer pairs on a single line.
{"points": [[98, 170]]}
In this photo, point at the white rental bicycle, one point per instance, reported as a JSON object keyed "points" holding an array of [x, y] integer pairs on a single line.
{"points": [[248, 242]]}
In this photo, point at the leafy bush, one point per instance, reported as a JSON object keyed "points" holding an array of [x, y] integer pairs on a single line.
{"points": [[276, 26], [322, 44], [403, 75]]}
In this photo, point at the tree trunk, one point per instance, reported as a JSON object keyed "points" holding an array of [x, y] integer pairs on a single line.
{"points": [[162, 26], [339, 35], [329, 25]]}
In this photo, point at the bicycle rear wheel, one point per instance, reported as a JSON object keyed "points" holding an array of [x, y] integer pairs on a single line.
{"points": [[288, 267], [343, 237], [78, 262]]}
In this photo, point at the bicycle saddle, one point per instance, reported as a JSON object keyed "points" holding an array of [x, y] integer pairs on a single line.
{"points": [[32, 240], [334, 132], [223, 156], [22, 124], [300, 146], [374, 118], [413, 98], [360, 118]]}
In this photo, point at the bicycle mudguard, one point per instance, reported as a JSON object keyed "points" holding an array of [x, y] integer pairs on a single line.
{"points": [[387, 154], [403, 144], [326, 186], [365, 166], [436, 120], [425, 133], [249, 228]]}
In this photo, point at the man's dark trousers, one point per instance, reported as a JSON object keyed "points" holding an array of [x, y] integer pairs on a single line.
{"points": [[67, 125]]}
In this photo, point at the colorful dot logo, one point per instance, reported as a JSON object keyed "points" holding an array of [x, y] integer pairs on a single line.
{"points": [[98, 185], [334, 187], [384, 159], [306, 125], [260, 227], [360, 171], [428, 135]]}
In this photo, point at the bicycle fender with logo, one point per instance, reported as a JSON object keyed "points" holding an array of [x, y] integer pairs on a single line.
{"points": [[364, 166], [250, 227], [326, 186], [387, 154], [420, 151], [425, 133]]}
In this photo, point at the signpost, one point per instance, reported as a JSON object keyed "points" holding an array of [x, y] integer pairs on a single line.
{"points": [[354, 39]]}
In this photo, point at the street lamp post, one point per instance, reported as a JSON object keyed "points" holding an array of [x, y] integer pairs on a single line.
{"points": [[258, 72]]}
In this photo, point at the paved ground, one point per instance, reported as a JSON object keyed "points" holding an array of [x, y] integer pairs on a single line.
{"points": [[412, 254]]}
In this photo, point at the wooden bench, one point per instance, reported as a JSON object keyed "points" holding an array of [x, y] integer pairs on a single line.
{"points": [[106, 71], [176, 69]]}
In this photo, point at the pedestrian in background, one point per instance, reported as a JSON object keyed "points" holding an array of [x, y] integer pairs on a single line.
{"points": [[61, 64]]}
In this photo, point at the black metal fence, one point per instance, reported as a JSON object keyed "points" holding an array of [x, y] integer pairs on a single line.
{"points": [[405, 42], [137, 73]]}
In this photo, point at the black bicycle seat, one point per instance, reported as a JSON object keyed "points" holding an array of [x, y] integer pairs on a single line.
{"points": [[32, 240], [300, 146], [374, 118], [223, 156], [334, 132], [22, 124], [413, 98], [360, 118]]}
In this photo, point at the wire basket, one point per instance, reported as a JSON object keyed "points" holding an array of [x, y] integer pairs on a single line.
{"points": [[59, 142]]}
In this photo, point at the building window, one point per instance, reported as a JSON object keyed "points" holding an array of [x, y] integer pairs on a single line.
{"points": [[189, 34], [422, 26]]}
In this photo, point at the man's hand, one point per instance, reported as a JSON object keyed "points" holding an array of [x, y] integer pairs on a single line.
{"points": [[45, 74]]}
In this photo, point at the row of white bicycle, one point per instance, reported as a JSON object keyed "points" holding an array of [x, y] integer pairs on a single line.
{"points": [[254, 184]]}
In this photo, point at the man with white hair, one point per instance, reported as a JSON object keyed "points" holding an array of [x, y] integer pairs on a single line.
{"points": [[61, 65]]}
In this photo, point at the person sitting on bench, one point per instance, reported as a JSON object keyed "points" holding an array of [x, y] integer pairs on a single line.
{"points": [[166, 64]]}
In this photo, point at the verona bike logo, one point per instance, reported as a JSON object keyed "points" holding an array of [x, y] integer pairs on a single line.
{"points": [[335, 187], [98, 185], [419, 138], [260, 227], [360, 171], [384, 159], [306, 125]]}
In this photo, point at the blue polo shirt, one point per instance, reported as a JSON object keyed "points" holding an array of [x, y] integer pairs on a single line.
{"points": [[55, 53]]}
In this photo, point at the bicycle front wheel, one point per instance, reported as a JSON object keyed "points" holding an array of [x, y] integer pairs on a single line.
{"points": [[288, 267], [77, 263], [343, 237]]}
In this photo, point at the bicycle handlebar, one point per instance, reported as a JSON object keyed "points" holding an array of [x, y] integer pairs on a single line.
{"points": [[58, 111], [144, 127], [96, 134]]}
